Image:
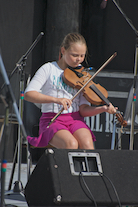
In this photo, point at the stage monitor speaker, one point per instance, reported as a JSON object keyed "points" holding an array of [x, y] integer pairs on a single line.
{"points": [[84, 178]]}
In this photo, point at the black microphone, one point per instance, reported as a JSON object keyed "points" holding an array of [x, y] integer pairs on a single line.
{"points": [[89, 69]]}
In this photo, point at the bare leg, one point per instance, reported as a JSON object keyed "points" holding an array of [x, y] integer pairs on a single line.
{"points": [[84, 138], [81, 138], [63, 139]]}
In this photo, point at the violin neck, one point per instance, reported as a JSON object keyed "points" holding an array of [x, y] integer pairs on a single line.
{"points": [[96, 90]]}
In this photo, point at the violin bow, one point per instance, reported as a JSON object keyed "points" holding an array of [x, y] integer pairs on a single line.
{"points": [[99, 70]]}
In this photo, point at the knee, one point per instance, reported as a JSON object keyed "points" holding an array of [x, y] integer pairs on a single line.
{"points": [[72, 144], [88, 144]]}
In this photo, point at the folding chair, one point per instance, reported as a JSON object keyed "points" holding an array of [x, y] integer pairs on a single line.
{"points": [[32, 114]]}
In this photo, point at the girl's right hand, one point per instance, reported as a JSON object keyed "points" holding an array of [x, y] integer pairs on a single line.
{"points": [[65, 102]]}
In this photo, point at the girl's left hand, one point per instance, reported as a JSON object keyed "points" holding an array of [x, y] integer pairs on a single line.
{"points": [[110, 109]]}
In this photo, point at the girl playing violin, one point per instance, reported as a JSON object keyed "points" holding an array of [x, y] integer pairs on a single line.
{"points": [[69, 130]]}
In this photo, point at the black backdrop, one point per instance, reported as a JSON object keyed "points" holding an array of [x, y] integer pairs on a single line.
{"points": [[21, 22], [108, 31]]}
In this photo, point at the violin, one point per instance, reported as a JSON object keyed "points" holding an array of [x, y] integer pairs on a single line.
{"points": [[94, 93], [77, 77]]}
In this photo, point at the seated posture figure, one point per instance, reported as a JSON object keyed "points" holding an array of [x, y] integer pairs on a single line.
{"points": [[69, 130]]}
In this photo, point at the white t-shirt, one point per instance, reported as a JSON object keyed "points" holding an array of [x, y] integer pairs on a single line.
{"points": [[49, 80]]}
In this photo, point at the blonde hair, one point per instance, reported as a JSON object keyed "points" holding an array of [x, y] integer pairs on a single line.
{"points": [[72, 38]]}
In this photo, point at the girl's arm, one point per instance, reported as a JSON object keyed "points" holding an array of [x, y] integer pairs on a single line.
{"points": [[36, 97], [86, 110]]}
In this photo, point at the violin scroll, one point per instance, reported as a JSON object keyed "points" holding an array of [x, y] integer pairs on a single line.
{"points": [[121, 119]]}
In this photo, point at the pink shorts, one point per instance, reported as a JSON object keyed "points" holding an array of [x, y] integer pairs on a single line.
{"points": [[70, 122]]}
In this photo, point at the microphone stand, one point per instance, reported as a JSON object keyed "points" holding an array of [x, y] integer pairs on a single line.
{"points": [[135, 77], [12, 98], [18, 187], [20, 65]]}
